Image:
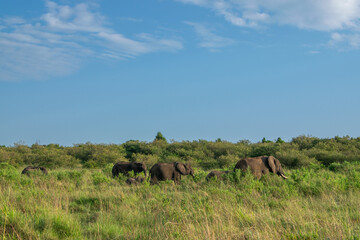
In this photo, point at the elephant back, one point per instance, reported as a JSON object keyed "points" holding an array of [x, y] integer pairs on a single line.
{"points": [[120, 167], [29, 169]]}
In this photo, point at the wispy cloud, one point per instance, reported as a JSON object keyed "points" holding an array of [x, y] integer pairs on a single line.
{"points": [[324, 15], [313, 52], [344, 41], [130, 19], [24, 60], [340, 18], [208, 39], [56, 44], [79, 18]]}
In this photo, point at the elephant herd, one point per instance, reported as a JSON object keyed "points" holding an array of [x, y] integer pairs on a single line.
{"points": [[173, 171]]}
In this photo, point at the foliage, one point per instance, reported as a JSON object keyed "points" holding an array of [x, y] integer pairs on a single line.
{"points": [[300, 151], [160, 137]]}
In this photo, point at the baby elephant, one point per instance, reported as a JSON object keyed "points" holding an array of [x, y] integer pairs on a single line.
{"points": [[218, 174], [135, 181], [29, 169]]}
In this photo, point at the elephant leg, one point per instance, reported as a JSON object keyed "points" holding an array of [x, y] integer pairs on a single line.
{"points": [[177, 179], [153, 181], [258, 174]]}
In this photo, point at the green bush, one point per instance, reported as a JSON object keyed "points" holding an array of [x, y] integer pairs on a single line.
{"points": [[99, 178], [293, 158], [300, 151]]}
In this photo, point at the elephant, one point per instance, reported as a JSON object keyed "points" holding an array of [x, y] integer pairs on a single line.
{"points": [[261, 165], [218, 174], [29, 169], [135, 181], [169, 171], [126, 167]]}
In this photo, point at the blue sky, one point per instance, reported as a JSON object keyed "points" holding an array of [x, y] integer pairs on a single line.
{"points": [[111, 71]]}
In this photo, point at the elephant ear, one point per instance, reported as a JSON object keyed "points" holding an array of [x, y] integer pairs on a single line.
{"points": [[181, 168], [271, 161]]}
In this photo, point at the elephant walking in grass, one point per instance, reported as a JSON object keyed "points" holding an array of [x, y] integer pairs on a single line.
{"points": [[29, 169], [126, 167], [169, 171], [261, 165], [218, 174]]}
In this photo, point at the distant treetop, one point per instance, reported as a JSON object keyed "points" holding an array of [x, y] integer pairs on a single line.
{"points": [[264, 140], [160, 137]]}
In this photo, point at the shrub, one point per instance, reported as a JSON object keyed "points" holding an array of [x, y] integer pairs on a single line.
{"points": [[264, 149], [225, 161], [294, 158], [100, 178], [9, 172]]}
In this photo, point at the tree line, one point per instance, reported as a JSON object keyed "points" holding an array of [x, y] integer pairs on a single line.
{"points": [[301, 151]]}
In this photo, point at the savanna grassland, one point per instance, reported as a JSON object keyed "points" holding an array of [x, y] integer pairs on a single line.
{"points": [[79, 199]]}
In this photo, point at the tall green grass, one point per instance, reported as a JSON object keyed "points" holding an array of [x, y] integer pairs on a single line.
{"points": [[316, 202]]}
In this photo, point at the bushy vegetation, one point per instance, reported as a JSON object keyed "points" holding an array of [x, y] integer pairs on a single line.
{"points": [[299, 152], [79, 199]]}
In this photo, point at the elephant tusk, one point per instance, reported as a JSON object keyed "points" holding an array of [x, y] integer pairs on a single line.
{"points": [[283, 176]]}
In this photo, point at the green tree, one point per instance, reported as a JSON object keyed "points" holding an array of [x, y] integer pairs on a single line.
{"points": [[265, 141], [160, 137]]}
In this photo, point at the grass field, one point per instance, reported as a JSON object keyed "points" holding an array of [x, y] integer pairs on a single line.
{"points": [[316, 202]]}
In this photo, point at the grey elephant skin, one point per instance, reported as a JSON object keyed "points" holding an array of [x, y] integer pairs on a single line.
{"points": [[135, 181], [218, 174], [29, 169], [261, 165], [126, 167], [169, 171]]}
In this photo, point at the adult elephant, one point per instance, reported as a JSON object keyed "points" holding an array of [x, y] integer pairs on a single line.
{"points": [[29, 169], [261, 165], [126, 167], [218, 174], [169, 171]]}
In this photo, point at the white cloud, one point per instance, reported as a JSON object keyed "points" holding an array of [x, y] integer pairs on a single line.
{"points": [[56, 44], [344, 41], [78, 18], [323, 15], [208, 39], [313, 52]]}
